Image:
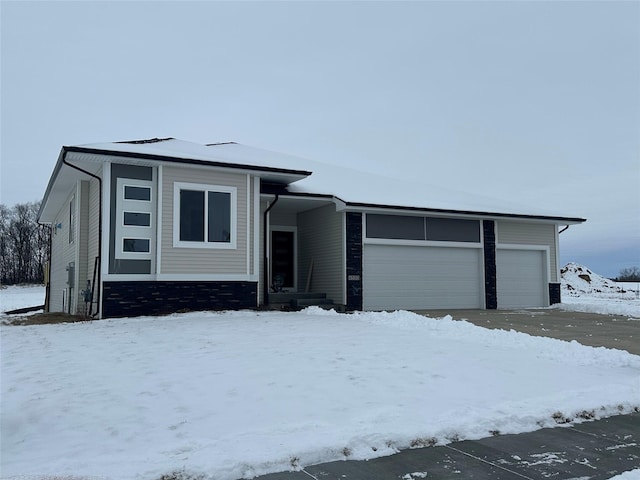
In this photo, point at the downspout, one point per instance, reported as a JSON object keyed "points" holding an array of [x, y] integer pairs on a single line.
{"points": [[565, 228], [64, 161], [264, 251]]}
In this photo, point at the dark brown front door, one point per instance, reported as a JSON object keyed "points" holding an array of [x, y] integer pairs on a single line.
{"points": [[282, 260]]}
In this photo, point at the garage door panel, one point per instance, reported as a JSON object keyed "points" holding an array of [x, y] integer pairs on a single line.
{"points": [[521, 278], [408, 277]]}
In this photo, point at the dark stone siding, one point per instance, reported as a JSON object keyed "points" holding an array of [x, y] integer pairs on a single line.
{"points": [[490, 273], [554, 293], [129, 299], [354, 261]]}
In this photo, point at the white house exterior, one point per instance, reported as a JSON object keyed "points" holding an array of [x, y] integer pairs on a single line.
{"points": [[162, 225]]}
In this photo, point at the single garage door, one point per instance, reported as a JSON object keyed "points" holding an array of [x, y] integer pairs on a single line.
{"points": [[414, 278], [521, 278]]}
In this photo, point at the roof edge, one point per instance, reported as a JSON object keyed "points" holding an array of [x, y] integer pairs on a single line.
{"points": [[561, 220], [192, 161]]}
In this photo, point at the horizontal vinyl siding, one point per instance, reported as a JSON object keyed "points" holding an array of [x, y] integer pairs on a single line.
{"points": [[522, 233], [209, 261], [320, 238], [62, 253]]}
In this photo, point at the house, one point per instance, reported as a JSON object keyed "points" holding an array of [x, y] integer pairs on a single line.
{"points": [[163, 225]]}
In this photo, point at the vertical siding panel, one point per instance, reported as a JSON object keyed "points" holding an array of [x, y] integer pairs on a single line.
{"points": [[320, 238], [522, 233], [83, 244], [94, 229]]}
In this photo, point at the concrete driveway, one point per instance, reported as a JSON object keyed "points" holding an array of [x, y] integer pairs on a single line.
{"points": [[611, 331]]}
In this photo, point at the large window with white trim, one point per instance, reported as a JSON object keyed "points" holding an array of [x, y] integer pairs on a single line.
{"points": [[204, 216]]}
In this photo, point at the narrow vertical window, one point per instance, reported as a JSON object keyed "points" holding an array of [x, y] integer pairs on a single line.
{"points": [[191, 216], [219, 217], [72, 219]]}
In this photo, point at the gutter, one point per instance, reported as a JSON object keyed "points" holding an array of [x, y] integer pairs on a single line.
{"points": [[264, 250], [97, 263]]}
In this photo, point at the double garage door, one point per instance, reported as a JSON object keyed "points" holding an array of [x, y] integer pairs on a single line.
{"points": [[414, 278]]}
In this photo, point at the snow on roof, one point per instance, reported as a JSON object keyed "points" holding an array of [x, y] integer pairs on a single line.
{"points": [[350, 185], [228, 152]]}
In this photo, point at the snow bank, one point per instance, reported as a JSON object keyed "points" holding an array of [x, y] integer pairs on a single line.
{"points": [[586, 291], [20, 296], [630, 475], [239, 394]]}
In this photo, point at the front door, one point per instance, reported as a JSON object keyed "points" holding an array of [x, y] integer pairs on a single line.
{"points": [[283, 260]]}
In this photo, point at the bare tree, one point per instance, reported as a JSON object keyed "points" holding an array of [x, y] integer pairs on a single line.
{"points": [[629, 274], [24, 245]]}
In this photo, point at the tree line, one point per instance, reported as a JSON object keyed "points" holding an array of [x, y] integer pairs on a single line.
{"points": [[24, 245], [629, 274]]}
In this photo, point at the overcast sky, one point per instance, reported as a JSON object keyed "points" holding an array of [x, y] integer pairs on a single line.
{"points": [[532, 102]]}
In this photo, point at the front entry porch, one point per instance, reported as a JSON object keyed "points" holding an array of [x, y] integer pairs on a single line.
{"points": [[303, 262]]}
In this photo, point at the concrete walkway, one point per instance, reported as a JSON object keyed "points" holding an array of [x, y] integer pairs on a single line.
{"points": [[595, 450]]}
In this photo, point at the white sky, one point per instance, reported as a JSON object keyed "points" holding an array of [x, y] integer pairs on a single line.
{"points": [[532, 102]]}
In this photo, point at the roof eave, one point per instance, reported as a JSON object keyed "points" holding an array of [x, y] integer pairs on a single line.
{"points": [[484, 214], [192, 161]]}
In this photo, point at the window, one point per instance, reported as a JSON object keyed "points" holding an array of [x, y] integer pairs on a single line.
{"points": [[205, 216], [136, 245], [72, 219], [395, 227], [137, 219], [132, 192], [453, 230], [435, 229]]}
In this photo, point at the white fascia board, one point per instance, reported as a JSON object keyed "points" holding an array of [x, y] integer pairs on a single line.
{"points": [[256, 226], [106, 215]]}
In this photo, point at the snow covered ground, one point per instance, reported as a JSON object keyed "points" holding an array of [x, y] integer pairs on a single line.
{"points": [[238, 394], [586, 291], [20, 296]]}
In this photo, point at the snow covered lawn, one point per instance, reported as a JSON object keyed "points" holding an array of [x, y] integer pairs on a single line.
{"points": [[244, 393], [21, 296]]}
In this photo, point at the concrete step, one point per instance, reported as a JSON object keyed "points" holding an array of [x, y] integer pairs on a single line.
{"points": [[309, 302], [286, 297]]}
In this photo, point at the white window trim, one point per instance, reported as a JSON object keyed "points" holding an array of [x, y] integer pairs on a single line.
{"points": [[134, 231], [422, 243], [73, 215], [135, 255], [137, 226], [128, 183], [233, 191]]}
